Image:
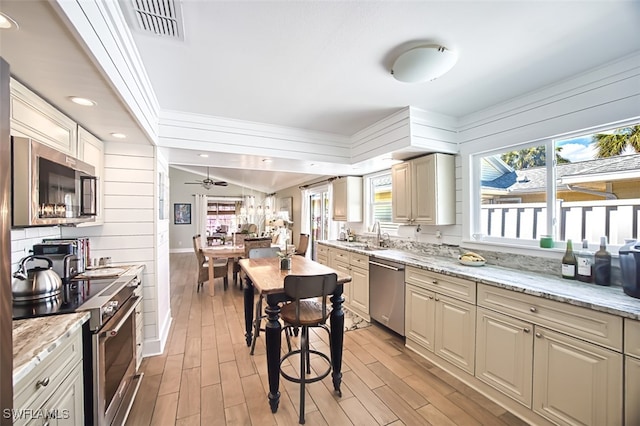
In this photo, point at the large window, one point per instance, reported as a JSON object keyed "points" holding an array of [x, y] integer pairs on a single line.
{"points": [[379, 202], [579, 187], [221, 215]]}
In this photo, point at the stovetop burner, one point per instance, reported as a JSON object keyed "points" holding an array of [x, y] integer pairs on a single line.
{"points": [[73, 295]]}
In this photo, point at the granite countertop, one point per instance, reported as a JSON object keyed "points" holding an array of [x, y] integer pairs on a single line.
{"points": [[35, 338], [610, 299]]}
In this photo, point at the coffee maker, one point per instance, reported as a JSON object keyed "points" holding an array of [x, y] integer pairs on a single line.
{"points": [[69, 255]]}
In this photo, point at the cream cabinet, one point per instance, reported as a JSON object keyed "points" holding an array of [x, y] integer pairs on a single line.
{"points": [[562, 361], [34, 118], [322, 255], [440, 316], [356, 292], [54, 386], [631, 371], [424, 190], [91, 151], [347, 199], [576, 382], [504, 354]]}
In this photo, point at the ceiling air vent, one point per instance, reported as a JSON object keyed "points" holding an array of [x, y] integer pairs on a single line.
{"points": [[160, 17]]}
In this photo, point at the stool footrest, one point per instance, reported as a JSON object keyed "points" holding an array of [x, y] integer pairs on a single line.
{"points": [[307, 379]]}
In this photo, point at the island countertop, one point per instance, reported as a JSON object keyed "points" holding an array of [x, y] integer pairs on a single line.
{"points": [[35, 338], [610, 299]]}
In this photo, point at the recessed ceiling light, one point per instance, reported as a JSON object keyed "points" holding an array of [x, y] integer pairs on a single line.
{"points": [[6, 23], [267, 160], [82, 101], [119, 135], [204, 155]]}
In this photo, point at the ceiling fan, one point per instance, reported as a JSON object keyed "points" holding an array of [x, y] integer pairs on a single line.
{"points": [[207, 183]]}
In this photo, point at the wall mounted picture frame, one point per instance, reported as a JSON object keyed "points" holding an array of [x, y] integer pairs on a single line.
{"points": [[182, 214], [285, 208]]}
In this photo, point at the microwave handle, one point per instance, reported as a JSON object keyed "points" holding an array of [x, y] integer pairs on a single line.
{"points": [[88, 199]]}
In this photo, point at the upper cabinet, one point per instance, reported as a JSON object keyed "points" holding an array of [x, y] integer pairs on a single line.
{"points": [[424, 190], [34, 118], [347, 199], [91, 151]]}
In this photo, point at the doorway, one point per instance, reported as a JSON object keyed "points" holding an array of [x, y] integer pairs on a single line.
{"points": [[319, 217]]}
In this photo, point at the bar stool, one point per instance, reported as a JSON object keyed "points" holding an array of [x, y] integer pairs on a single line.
{"points": [[304, 312]]}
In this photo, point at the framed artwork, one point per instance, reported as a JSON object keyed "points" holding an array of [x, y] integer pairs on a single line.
{"points": [[285, 208], [182, 214]]}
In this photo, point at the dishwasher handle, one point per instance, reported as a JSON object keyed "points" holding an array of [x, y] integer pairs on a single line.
{"points": [[393, 268]]}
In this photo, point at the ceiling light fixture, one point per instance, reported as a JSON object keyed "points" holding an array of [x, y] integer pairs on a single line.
{"points": [[424, 63], [204, 155], [82, 101], [267, 160], [6, 23], [119, 135]]}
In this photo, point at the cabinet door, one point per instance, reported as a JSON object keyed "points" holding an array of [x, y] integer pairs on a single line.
{"points": [[401, 190], [68, 401], [423, 200], [575, 382], [455, 334], [504, 354], [342, 267], [339, 191], [419, 324], [360, 290], [631, 391], [91, 151]]}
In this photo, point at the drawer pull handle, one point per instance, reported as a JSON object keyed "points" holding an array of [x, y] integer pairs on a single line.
{"points": [[526, 330], [44, 382], [538, 335], [533, 309]]}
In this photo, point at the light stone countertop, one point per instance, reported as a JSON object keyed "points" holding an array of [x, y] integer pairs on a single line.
{"points": [[610, 299], [35, 338]]}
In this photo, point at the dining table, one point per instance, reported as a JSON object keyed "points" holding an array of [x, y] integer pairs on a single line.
{"points": [[223, 251], [265, 276]]}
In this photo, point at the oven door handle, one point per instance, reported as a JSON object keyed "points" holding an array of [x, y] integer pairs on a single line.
{"points": [[112, 332]]}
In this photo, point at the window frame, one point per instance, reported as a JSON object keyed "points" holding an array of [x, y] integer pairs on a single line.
{"points": [[392, 230]]}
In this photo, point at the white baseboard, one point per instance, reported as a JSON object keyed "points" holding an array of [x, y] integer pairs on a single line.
{"points": [[181, 250], [156, 346]]}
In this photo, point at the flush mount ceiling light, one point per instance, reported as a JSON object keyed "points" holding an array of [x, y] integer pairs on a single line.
{"points": [[423, 63], [119, 135], [82, 101], [6, 23]]}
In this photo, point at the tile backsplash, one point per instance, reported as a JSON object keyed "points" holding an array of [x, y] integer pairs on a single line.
{"points": [[23, 239]]}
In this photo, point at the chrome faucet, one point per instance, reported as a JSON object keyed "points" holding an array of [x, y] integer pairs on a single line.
{"points": [[376, 227]]}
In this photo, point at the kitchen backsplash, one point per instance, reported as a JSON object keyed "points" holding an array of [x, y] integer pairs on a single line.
{"points": [[23, 239], [520, 262]]}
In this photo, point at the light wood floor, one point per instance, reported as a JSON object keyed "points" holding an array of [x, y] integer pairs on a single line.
{"points": [[207, 377]]}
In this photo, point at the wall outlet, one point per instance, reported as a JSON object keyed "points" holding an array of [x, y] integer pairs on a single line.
{"points": [[438, 234]]}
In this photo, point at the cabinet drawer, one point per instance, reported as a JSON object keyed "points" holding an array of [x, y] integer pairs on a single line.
{"points": [[632, 337], [359, 260], [451, 286], [31, 392], [322, 250], [340, 256], [587, 324]]}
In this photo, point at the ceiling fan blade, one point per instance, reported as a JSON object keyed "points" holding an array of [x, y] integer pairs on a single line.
{"points": [[193, 183], [221, 183]]}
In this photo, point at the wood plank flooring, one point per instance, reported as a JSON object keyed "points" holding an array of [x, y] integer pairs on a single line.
{"points": [[207, 377]]}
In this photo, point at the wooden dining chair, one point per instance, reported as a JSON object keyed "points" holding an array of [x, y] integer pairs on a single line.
{"points": [[220, 266], [303, 244], [305, 311]]}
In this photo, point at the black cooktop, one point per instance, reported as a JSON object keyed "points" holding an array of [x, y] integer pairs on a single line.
{"points": [[72, 296]]}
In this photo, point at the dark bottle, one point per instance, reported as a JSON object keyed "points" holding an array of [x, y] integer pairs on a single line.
{"points": [[569, 263], [584, 259], [602, 264]]}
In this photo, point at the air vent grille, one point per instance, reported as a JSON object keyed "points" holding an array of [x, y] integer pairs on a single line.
{"points": [[160, 17]]}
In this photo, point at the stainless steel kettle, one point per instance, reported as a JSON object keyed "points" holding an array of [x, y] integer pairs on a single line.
{"points": [[36, 283]]}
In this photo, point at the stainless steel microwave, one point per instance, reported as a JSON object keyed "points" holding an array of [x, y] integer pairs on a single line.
{"points": [[50, 187]]}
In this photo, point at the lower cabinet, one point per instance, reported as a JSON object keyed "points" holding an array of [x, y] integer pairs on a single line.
{"points": [[356, 292], [576, 382], [442, 325], [52, 393], [632, 390], [504, 354]]}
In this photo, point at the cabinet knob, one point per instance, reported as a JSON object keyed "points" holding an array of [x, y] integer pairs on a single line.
{"points": [[430, 297], [434, 282], [44, 382], [526, 330], [437, 299], [533, 309], [538, 335]]}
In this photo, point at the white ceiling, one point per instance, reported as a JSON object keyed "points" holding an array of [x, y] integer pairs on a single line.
{"points": [[321, 65]]}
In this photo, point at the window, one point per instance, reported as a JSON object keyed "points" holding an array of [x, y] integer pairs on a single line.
{"points": [[221, 214], [379, 202], [588, 188]]}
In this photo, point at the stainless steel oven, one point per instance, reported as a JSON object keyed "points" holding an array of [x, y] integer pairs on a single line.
{"points": [[114, 364]]}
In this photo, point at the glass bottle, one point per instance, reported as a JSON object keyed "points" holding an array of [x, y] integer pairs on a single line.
{"points": [[602, 264], [569, 262], [584, 259]]}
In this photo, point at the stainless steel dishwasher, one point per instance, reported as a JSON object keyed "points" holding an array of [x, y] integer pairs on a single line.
{"points": [[386, 293]]}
